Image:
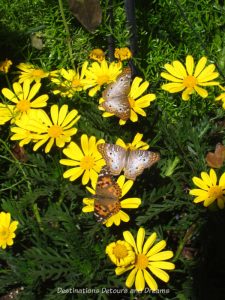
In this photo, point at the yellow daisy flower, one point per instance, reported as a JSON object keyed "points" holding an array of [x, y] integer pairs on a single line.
{"points": [[58, 129], [102, 73], [189, 78], [209, 191], [22, 97], [121, 253], [70, 81], [136, 144], [147, 258], [31, 73], [7, 229], [221, 96], [86, 161], [122, 53], [5, 65], [97, 54], [137, 103], [125, 203]]}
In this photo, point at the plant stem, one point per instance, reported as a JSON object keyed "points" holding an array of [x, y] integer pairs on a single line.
{"points": [[68, 39]]}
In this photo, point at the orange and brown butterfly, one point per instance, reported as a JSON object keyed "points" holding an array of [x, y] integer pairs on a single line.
{"points": [[107, 196], [216, 159], [133, 162], [115, 96]]}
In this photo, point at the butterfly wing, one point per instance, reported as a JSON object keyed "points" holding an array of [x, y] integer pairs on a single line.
{"points": [[87, 12], [216, 159], [116, 96], [137, 161], [107, 196], [114, 156]]}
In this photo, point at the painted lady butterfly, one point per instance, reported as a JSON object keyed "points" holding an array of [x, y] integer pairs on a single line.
{"points": [[132, 161], [107, 196]]}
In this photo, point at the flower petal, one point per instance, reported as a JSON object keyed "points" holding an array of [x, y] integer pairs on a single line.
{"points": [[140, 239], [150, 241]]}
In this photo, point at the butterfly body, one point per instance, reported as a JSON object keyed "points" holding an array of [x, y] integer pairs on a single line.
{"points": [[133, 162], [116, 96], [107, 196]]}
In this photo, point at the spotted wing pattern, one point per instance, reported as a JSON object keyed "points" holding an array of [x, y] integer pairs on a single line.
{"points": [[137, 161], [114, 156], [116, 96], [107, 196], [133, 162]]}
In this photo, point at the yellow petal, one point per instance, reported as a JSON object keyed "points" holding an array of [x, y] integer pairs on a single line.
{"points": [[49, 145], [172, 70], [157, 248], [130, 239], [126, 187], [159, 273], [139, 281], [62, 114], [200, 183], [202, 92], [140, 239], [200, 66], [73, 172], [150, 241], [163, 265], [190, 64], [33, 91], [163, 255], [170, 77], [213, 177], [73, 151], [84, 144], [131, 278], [173, 87], [206, 178], [130, 203], [222, 180], [150, 281], [180, 69], [86, 177], [54, 113]]}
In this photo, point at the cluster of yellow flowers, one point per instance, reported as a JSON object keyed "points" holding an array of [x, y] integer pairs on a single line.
{"points": [[30, 123], [141, 258]]}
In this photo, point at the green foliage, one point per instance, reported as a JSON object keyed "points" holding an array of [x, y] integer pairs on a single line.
{"points": [[58, 246]]}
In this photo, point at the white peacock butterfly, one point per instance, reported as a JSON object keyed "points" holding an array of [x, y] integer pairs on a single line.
{"points": [[133, 162], [115, 96]]}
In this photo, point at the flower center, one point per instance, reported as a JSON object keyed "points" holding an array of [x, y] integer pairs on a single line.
{"points": [[55, 131], [87, 162], [120, 251], [132, 102], [38, 73], [215, 192], [4, 233], [141, 261], [190, 81], [23, 105], [75, 83], [102, 79]]}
